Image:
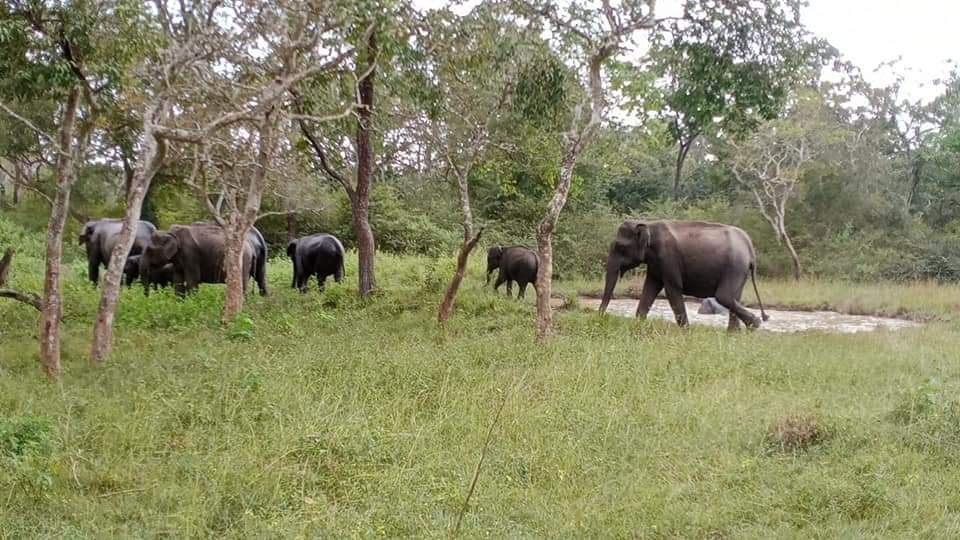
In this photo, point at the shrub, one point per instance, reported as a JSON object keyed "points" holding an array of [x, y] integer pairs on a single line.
{"points": [[796, 432]]}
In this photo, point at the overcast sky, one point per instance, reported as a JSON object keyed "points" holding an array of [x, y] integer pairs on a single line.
{"points": [[925, 33]]}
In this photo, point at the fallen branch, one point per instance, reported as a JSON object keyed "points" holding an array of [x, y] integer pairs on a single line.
{"points": [[25, 297]]}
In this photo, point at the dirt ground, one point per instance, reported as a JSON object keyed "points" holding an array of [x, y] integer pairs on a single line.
{"points": [[780, 320]]}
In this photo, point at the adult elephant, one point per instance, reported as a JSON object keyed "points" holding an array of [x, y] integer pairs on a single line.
{"points": [[686, 257], [318, 255], [258, 267], [196, 252], [516, 263], [101, 236], [161, 277]]}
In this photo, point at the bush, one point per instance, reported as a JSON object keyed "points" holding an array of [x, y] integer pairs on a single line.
{"points": [[796, 432]]}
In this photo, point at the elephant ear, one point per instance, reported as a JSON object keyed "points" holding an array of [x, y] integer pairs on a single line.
{"points": [[643, 240], [169, 245]]}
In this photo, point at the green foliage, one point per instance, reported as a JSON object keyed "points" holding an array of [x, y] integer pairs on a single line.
{"points": [[25, 448]]}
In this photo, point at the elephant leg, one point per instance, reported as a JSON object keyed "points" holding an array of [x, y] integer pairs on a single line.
{"points": [[522, 285], [93, 269], [499, 282], [651, 288], [338, 275], [733, 324], [675, 296], [509, 288], [321, 279], [728, 295]]}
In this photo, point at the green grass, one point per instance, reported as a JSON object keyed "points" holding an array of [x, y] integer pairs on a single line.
{"points": [[324, 416]]}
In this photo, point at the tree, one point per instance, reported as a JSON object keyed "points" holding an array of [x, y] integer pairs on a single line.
{"points": [[215, 72], [381, 35], [771, 163], [721, 67], [592, 36], [474, 62], [73, 54]]}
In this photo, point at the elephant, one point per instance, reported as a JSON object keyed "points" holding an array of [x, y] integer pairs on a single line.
{"points": [[196, 252], [516, 263], [710, 306], [101, 236], [318, 255], [686, 257], [258, 268], [161, 277]]}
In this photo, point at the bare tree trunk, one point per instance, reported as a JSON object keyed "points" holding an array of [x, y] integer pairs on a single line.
{"points": [[292, 232], [235, 235], [361, 197], [678, 169], [17, 184], [149, 161], [52, 290], [239, 229], [797, 269], [545, 241]]}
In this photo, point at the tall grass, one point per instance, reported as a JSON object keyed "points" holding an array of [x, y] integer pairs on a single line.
{"points": [[321, 415]]}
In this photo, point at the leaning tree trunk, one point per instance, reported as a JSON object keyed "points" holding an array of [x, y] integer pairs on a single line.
{"points": [[446, 307], [52, 290], [149, 161], [360, 201], [545, 242]]}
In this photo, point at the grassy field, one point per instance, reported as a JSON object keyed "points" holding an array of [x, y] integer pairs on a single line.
{"points": [[321, 416]]}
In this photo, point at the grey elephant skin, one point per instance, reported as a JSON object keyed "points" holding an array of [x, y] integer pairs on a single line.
{"points": [[258, 266], [710, 306], [100, 236], [320, 255], [196, 253], [693, 258], [515, 263], [161, 277]]}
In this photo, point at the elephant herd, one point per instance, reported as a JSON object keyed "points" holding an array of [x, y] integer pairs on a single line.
{"points": [[187, 255], [692, 258]]}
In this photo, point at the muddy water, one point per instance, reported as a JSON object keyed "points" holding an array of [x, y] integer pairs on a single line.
{"points": [[780, 320]]}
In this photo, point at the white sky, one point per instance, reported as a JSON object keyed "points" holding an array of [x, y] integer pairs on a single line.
{"points": [[924, 33]]}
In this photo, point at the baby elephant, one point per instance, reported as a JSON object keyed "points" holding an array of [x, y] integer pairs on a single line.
{"points": [[318, 255], [516, 263], [161, 277]]}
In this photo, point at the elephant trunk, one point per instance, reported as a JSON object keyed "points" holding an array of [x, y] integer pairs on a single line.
{"points": [[613, 274]]}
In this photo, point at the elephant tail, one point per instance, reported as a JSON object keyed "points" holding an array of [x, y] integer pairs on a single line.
{"points": [[753, 278]]}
